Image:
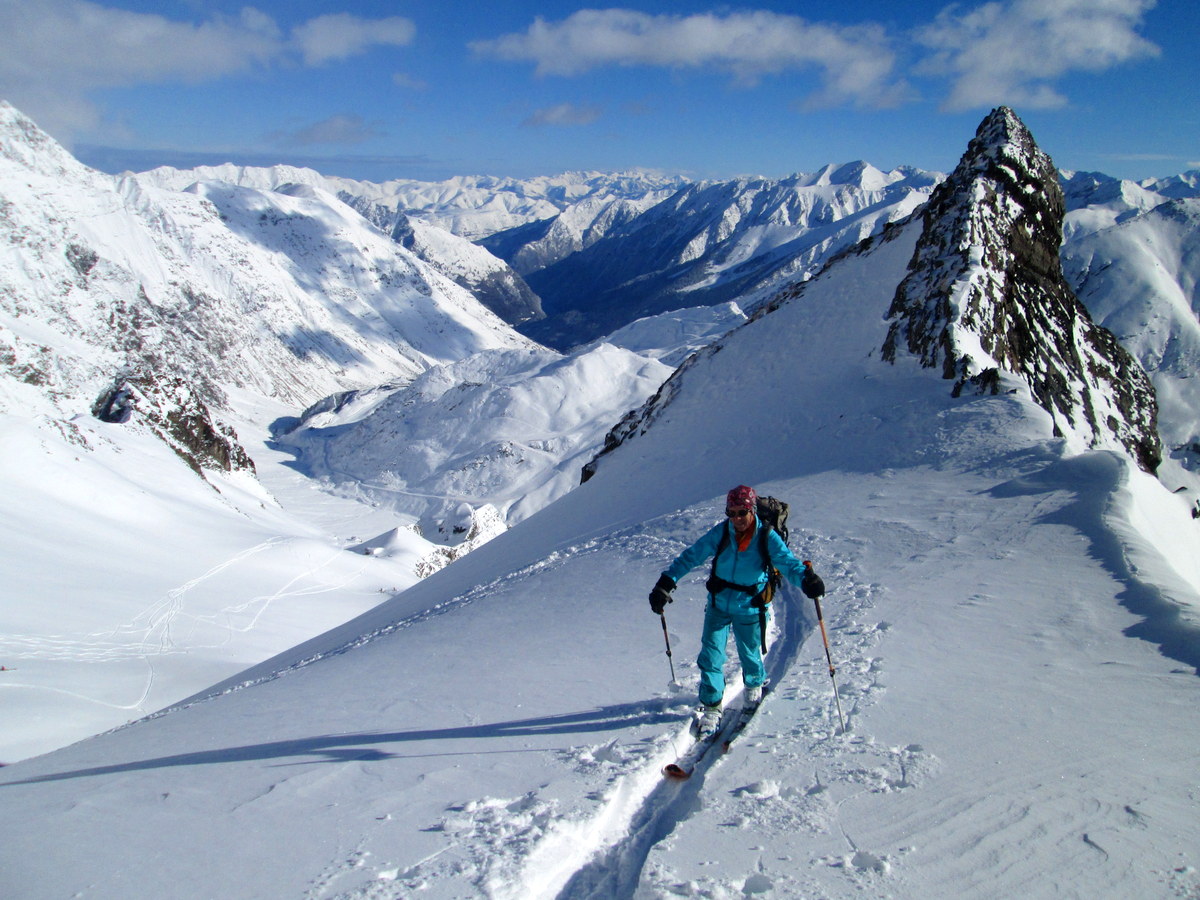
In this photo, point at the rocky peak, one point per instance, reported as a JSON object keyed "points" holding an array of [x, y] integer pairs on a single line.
{"points": [[985, 292]]}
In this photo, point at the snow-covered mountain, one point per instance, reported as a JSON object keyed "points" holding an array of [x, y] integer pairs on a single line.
{"points": [[1096, 201], [489, 279], [439, 220], [473, 446], [539, 244], [715, 242], [147, 337], [472, 207], [984, 300], [287, 293], [502, 431], [1138, 278], [1014, 621]]}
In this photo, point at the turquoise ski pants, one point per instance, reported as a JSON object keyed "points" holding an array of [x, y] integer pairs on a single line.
{"points": [[717, 624]]}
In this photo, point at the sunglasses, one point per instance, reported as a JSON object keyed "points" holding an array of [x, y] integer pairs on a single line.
{"points": [[737, 513]]}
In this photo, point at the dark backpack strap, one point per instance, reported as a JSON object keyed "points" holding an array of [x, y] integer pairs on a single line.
{"points": [[716, 583], [774, 580], [761, 597]]}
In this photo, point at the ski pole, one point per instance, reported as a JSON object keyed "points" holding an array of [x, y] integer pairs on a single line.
{"points": [[824, 637], [663, 617]]}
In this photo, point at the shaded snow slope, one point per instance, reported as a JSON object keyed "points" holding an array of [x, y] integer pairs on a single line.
{"points": [[498, 729], [489, 279], [1139, 279]]}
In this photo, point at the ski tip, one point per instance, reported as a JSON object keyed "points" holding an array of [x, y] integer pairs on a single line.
{"points": [[673, 770]]}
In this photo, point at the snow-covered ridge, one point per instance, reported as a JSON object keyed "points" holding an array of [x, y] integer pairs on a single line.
{"points": [[472, 207]]}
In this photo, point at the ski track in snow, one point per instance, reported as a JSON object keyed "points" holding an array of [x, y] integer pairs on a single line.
{"points": [[527, 847], [152, 632]]}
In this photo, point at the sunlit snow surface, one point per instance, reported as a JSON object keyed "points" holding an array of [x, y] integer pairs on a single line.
{"points": [[1014, 631]]}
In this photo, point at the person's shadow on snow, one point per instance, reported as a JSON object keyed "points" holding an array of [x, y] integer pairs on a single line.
{"points": [[365, 746]]}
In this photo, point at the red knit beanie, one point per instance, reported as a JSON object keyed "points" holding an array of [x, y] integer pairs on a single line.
{"points": [[741, 497]]}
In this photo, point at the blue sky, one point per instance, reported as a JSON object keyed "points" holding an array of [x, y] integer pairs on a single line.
{"points": [[379, 90]]}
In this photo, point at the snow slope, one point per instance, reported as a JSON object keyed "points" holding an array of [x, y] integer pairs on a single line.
{"points": [[129, 582], [1138, 279], [1015, 632], [506, 429]]}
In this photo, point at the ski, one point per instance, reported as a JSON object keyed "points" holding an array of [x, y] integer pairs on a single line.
{"points": [[745, 714], [686, 764]]}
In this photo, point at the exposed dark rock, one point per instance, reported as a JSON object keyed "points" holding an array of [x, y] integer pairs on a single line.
{"points": [[82, 259], [171, 408], [985, 290]]}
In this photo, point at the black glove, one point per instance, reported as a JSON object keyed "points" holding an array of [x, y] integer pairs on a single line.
{"points": [[811, 583], [661, 595]]}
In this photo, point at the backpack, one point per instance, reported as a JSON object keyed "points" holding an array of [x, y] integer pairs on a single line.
{"points": [[774, 512]]}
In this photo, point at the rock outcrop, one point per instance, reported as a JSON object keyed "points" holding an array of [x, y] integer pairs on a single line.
{"points": [[985, 292]]}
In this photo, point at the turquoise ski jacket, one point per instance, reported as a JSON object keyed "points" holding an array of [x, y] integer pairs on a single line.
{"points": [[744, 568]]}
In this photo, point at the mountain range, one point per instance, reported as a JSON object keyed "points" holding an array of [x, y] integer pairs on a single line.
{"points": [[976, 464]]}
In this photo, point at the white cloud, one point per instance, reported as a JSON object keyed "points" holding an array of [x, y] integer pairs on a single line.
{"points": [[856, 63], [341, 130], [564, 114], [340, 35], [55, 54], [404, 80], [1014, 52]]}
